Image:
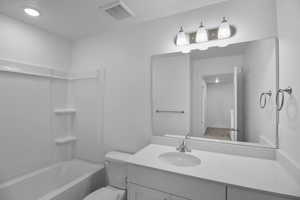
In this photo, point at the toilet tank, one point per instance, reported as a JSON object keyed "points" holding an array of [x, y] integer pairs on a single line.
{"points": [[116, 168]]}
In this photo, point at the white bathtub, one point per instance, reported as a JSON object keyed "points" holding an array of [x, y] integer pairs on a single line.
{"points": [[71, 180]]}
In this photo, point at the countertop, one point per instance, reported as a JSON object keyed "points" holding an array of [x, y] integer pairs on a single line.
{"points": [[253, 173]]}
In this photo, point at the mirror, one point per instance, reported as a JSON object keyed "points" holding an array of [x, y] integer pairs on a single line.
{"points": [[221, 94]]}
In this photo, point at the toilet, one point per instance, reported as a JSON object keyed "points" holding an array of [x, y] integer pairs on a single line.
{"points": [[116, 169]]}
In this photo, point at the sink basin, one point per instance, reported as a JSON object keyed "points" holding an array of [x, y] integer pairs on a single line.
{"points": [[180, 159]]}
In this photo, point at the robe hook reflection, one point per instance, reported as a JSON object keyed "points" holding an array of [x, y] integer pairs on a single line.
{"points": [[263, 98]]}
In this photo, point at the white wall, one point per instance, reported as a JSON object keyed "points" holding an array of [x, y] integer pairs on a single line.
{"points": [[171, 92], [26, 137], [206, 67], [125, 54], [220, 100], [86, 96], [27, 44], [259, 75], [25, 129], [289, 48]]}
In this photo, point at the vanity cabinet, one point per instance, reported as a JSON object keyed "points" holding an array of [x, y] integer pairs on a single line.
{"points": [[150, 184], [147, 183]]}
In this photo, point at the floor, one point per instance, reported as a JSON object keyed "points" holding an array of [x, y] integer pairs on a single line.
{"points": [[217, 133]]}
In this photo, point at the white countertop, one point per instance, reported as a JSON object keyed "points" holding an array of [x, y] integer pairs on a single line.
{"points": [[253, 173]]}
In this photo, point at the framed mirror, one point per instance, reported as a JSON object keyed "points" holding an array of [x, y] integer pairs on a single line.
{"points": [[223, 94]]}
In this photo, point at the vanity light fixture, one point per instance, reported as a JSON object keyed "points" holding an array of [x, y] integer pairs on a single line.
{"points": [[217, 80], [182, 38], [224, 30], [204, 38], [32, 12], [201, 35]]}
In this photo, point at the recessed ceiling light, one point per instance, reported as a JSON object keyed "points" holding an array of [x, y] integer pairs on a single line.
{"points": [[32, 12]]}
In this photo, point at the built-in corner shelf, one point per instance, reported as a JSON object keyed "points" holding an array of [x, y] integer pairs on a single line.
{"points": [[65, 111], [65, 140]]}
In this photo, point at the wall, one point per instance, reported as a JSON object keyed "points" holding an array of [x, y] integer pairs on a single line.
{"points": [[26, 137], [125, 55], [289, 43], [259, 75], [86, 96], [27, 44], [171, 92]]}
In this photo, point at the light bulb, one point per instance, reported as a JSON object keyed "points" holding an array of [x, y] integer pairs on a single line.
{"points": [[201, 35], [32, 12], [224, 30], [217, 80], [181, 38]]}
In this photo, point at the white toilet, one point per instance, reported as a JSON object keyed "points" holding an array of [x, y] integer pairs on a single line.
{"points": [[116, 168]]}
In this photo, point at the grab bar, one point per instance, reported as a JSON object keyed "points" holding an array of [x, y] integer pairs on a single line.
{"points": [[287, 90], [170, 111]]}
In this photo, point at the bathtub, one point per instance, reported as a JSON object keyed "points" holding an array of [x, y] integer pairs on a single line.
{"points": [[71, 180]]}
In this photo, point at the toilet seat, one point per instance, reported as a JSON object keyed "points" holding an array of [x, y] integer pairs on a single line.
{"points": [[106, 193]]}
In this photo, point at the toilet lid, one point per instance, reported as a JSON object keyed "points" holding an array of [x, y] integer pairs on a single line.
{"points": [[106, 193]]}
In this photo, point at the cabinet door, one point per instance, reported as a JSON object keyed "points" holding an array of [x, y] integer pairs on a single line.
{"points": [[234, 193], [178, 185], [136, 192]]}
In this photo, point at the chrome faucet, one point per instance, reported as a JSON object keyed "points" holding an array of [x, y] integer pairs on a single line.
{"points": [[183, 146]]}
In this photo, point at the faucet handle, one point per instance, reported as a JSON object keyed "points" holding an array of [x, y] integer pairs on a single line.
{"points": [[187, 136], [186, 148], [181, 146]]}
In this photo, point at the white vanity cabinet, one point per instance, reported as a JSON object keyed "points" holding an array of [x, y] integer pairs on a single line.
{"points": [[147, 183], [150, 184]]}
